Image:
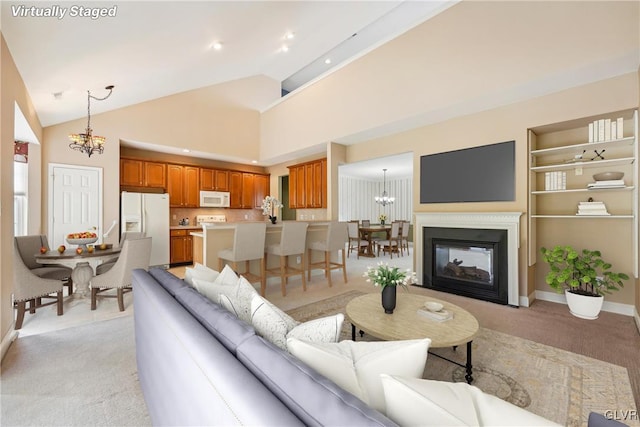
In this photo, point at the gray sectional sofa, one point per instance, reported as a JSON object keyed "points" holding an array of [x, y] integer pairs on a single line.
{"points": [[200, 365]]}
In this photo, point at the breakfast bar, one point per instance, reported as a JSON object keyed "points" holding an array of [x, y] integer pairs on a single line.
{"points": [[216, 237]]}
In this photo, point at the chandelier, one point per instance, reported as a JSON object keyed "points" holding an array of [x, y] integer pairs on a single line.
{"points": [[384, 199], [87, 142]]}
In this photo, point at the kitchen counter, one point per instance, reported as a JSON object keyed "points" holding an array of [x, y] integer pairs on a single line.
{"points": [[185, 227], [219, 236]]}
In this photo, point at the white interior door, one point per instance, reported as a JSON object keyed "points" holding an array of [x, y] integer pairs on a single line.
{"points": [[75, 202]]}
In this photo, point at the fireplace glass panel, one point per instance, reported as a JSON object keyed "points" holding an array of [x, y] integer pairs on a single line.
{"points": [[465, 263]]}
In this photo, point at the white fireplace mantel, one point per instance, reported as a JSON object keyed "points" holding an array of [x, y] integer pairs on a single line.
{"points": [[509, 221]]}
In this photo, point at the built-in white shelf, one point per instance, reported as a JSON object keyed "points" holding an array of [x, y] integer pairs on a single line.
{"points": [[585, 216], [588, 164], [584, 190], [577, 148], [572, 154]]}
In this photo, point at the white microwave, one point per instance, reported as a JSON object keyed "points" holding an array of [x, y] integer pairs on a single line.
{"points": [[214, 199]]}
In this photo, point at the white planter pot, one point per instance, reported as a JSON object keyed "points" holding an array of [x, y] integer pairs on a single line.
{"points": [[582, 306]]}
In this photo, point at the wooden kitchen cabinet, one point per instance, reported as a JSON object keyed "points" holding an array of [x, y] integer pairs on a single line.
{"points": [[260, 189], [214, 180], [308, 185], [247, 189], [181, 246], [235, 189], [131, 172], [140, 173], [183, 186]]}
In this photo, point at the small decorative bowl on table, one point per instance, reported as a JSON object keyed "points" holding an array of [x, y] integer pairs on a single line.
{"points": [[82, 242]]}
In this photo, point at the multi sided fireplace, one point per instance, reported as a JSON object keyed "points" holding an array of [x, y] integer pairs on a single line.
{"points": [[487, 221], [467, 261]]}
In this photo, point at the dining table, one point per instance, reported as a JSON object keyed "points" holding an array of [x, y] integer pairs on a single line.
{"points": [[367, 232], [83, 264]]}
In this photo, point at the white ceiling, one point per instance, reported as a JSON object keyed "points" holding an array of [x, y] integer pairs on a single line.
{"points": [[152, 49], [397, 166]]}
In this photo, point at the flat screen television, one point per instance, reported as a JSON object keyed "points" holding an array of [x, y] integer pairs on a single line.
{"points": [[477, 174]]}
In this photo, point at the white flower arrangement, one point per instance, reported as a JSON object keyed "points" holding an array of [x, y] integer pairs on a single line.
{"points": [[269, 206], [383, 275], [382, 217]]}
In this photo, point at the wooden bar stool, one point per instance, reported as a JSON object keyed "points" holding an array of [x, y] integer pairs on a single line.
{"points": [[293, 240], [337, 237], [248, 245]]}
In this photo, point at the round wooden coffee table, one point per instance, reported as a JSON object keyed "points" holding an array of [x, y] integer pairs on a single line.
{"points": [[367, 315]]}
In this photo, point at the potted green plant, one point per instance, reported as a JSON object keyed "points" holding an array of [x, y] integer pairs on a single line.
{"points": [[583, 276]]}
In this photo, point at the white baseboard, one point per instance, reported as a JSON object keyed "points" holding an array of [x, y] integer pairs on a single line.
{"points": [[636, 317], [612, 307], [526, 301], [7, 340]]}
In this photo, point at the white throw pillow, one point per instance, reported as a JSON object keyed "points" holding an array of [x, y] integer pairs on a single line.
{"points": [[199, 271], [226, 302], [418, 402], [356, 366], [237, 289], [276, 326]]}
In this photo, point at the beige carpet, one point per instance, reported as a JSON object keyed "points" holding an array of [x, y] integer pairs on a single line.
{"points": [[80, 376], [556, 384]]}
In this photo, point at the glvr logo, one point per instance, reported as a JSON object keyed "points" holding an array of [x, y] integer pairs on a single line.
{"points": [[622, 415]]}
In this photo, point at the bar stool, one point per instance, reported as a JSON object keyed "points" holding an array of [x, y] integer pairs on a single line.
{"points": [[337, 237], [293, 241], [248, 245]]}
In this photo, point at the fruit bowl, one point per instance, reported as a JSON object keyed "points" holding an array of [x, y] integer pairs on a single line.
{"points": [[83, 242]]}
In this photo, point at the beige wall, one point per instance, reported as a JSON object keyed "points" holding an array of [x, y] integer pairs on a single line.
{"points": [[221, 119], [12, 91], [511, 123], [473, 54]]}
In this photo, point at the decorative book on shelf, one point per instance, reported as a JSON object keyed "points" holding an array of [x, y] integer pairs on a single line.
{"points": [[592, 208], [438, 316]]}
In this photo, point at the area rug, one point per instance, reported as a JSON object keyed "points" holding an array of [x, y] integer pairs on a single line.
{"points": [[556, 384]]}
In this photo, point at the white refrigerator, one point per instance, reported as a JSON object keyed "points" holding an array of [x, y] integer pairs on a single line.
{"points": [[148, 213]]}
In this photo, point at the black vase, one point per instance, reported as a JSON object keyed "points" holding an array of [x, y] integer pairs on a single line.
{"points": [[273, 219], [389, 299]]}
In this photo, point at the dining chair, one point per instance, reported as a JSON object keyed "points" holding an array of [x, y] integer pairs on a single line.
{"points": [[135, 253], [248, 245], [404, 237], [31, 288], [335, 239], [28, 247], [106, 266], [391, 244], [293, 240], [355, 239]]}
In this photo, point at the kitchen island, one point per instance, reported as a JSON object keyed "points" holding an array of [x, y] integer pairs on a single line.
{"points": [[216, 237]]}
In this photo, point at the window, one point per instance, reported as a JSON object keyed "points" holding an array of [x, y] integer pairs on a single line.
{"points": [[20, 186]]}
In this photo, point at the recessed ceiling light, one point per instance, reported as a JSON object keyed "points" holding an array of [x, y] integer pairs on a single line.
{"points": [[186, 150], [216, 45], [254, 161], [284, 48], [327, 61], [289, 36]]}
